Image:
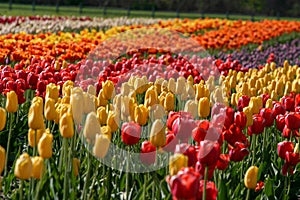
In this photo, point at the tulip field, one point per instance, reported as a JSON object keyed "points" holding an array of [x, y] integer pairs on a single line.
{"points": [[145, 108]]}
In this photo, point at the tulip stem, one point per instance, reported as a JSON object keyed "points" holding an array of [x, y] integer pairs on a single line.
{"points": [[205, 180], [65, 144], [87, 177], [10, 116], [127, 174], [248, 194], [254, 140], [21, 189]]}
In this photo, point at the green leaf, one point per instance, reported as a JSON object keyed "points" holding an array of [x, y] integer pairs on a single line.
{"points": [[268, 189], [261, 169]]}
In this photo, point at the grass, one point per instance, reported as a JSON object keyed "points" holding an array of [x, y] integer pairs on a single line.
{"points": [[26, 10]]}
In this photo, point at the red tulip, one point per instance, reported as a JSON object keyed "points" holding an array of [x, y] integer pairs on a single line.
{"points": [[243, 102], [278, 109], [238, 152], [234, 134], [287, 133], [200, 167], [211, 190], [183, 126], [185, 184], [280, 122], [148, 153], [265, 97], [297, 100], [223, 161], [240, 119], [292, 158], [199, 133], [259, 186], [257, 126], [266, 113], [209, 152], [286, 168], [288, 103], [292, 121], [171, 142], [229, 117], [131, 133], [284, 147]]}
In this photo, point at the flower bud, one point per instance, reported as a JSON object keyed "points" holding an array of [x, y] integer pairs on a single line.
{"points": [[12, 102], [157, 134], [171, 85], [169, 103], [37, 167], [203, 107], [102, 101], [2, 159], [35, 116], [77, 101], [248, 113], [250, 178], [49, 108], [108, 89], [101, 146], [151, 97], [2, 118], [45, 145], [105, 130], [91, 127], [66, 125], [177, 161], [141, 114], [102, 115], [34, 133], [269, 103], [113, 121], [23, 167], [52, 91], [76, 166], [191, 106]]}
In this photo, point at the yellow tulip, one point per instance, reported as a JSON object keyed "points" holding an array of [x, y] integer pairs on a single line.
{"points": [[108, 89], [191, 106], [204, 107], [279, 88], [102, 101], [250, 178], [37, 167], [76, 166], [91, 90], [105, 130], [253, 104], [89, 104], [171, 85], [67, 86], [45, 145], [157, 112], [169, 103], [49, 108], [177, 161], [12, 102], [66, 125], [91, 127], [52, 91], [233, 99], [201, 91], [248, 112], [23, 167], [35, 116], [180, 85], [2, 159], [2, 118], [113, 121], [77, 101], [141, 114], [269, 103], [151, 97], [34, 133], [296, 86], [157, 134], [190, 91], [190, 80], [101, 146], [102, 115]]}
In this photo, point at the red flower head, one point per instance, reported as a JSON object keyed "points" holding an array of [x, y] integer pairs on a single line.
{"points": [[148, 153], [229, 117], [131, 133], [288, 103], [223, 161], [240, 119], [292, 121], [234, 134], [171, 142], [278, 109], [201, 169], [265, 97], [238, 152], [243, 102], [185, 184], [209, 152], [284, 147], [266, 113], [211, 190], [287, 133], [199, 133], [183, 126], [280, 122], [257, 126]]}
